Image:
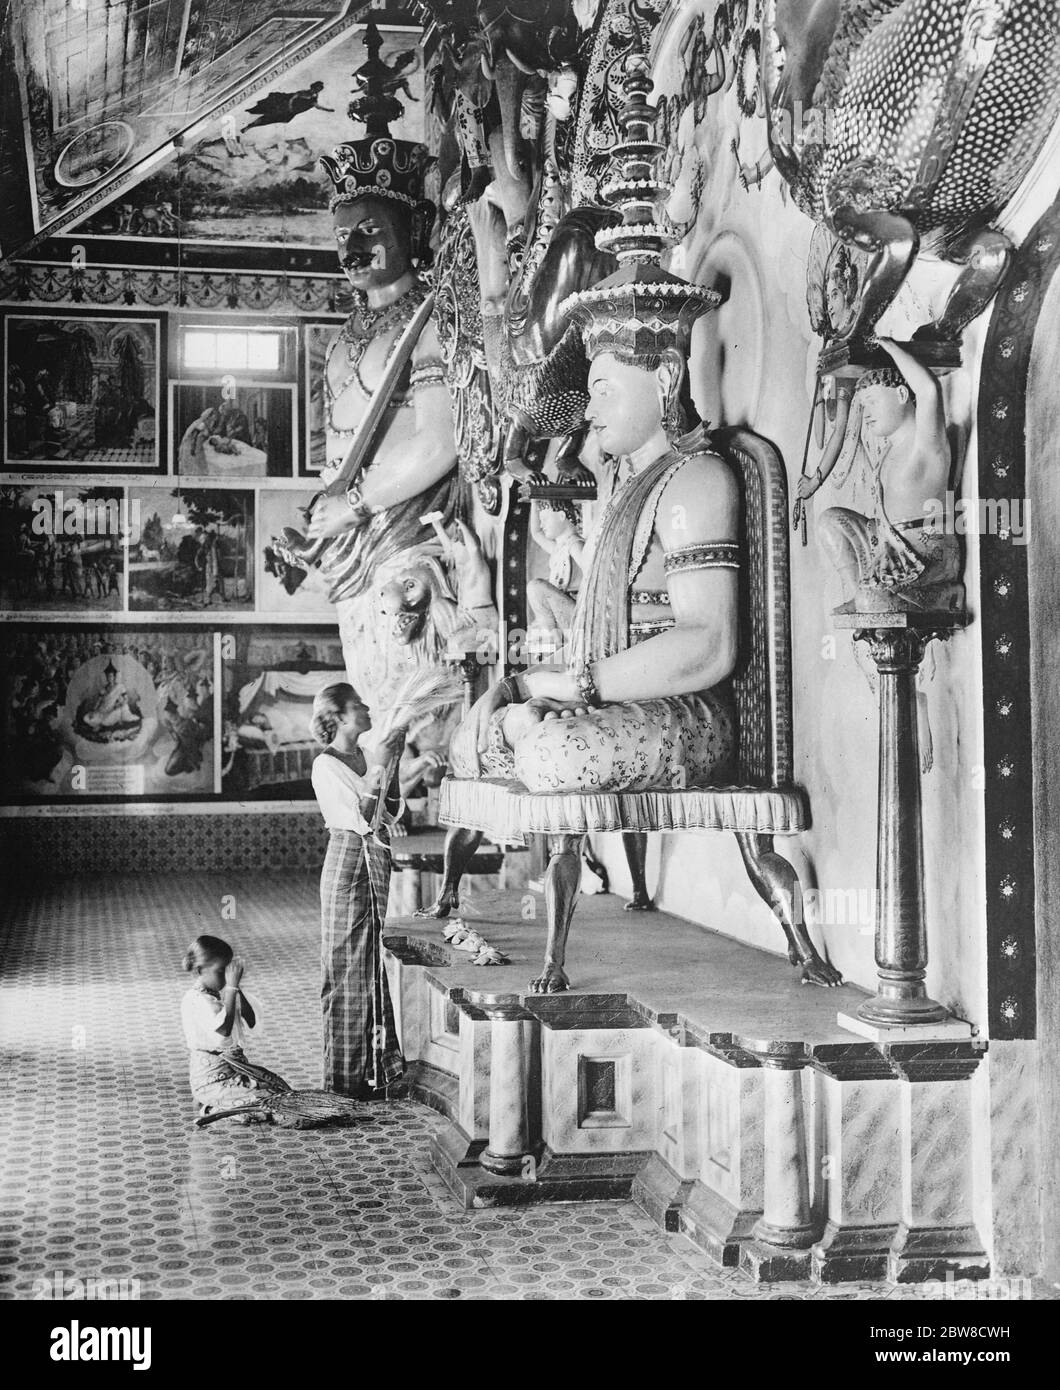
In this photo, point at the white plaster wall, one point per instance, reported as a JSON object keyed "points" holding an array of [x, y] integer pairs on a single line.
{"points": [[766, 351]]}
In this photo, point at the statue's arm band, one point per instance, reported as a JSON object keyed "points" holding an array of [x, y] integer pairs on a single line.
{"points": [[429, 372], [718, 555]]}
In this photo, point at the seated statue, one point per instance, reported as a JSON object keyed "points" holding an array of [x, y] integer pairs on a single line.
{"points": [[655, 625], [643, 704]]}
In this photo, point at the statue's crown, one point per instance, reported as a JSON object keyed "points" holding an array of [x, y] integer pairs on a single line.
{"points": [[379, 165], [641, 308]]}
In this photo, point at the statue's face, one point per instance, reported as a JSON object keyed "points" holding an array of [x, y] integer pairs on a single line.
{"points": [[884, 409], [554, 524], [625, 405], [405, 601], [373, 242], [835, 300]]}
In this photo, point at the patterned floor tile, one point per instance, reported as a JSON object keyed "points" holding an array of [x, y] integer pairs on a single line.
{"points": [[105, 1183]]}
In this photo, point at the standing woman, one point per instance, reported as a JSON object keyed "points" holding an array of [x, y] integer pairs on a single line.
{"points": [[362, 1057]]}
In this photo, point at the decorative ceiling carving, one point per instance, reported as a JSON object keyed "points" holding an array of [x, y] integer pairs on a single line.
{"points": [[95, 94]]}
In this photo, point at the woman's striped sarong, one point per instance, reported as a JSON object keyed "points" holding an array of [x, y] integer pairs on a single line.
{"points": [[361, 1049]]}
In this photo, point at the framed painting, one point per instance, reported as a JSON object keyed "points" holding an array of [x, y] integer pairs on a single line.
{"points": [[270, 677], [107, 713], [284, 588], [242, 429], [191, 550], [83, 392], [62, 549], [250, 174], [316, 338]]}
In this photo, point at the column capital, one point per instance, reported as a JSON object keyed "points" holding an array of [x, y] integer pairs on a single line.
{"points": [[499, 1007], [776, 1055]]}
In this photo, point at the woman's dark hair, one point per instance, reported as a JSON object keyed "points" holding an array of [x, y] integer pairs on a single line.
{"points": [[329, 705], [206, 948]]}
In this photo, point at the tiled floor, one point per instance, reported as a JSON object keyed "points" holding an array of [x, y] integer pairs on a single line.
{"points": [[103, 1177]]}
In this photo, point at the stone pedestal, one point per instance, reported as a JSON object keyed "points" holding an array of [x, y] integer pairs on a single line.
{"points": [[937, 1236], [896, 642], [857, 1092]]}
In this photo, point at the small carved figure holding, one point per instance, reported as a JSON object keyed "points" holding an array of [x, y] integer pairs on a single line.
{"points": [[898, 426], [554, 527]]}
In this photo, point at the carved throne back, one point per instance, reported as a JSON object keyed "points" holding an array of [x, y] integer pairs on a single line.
{"points": [[762, 681]]}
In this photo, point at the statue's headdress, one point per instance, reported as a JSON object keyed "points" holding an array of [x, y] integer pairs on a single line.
{"points": [[641, 310], [379, 165]]}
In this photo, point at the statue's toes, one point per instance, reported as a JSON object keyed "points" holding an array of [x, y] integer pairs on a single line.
{"points": [[819, 972], [439, 911]]}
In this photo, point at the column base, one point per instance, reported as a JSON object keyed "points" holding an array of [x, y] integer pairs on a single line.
{"points": [[852, 1253], [920, 1253], [769, 1264], [659, 1192], [887, 1009], [505, 1165], [552, 1178], [785, 1237], [951, 1029]]}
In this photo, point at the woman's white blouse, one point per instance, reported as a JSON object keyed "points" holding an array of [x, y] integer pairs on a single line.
{"points": [[338, 791]]}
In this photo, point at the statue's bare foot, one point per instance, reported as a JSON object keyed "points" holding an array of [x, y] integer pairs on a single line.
{"points": [[552, 980], [445, 904], [819, 972], [640, 902]]}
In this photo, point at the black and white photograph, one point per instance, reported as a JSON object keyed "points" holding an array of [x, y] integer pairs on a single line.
{"points": [[62, 549], [232, 431], [544, 786], [317, 339], [192, 550], [82, 393], [271, 678], [93, 713], [288, 581]]}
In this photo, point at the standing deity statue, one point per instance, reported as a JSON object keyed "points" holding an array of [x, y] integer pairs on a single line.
{"points": [[390, 451]]}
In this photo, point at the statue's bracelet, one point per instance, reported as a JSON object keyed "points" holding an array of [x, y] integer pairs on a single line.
{"points": [[587, 686], [513, 689], [356, 502]]}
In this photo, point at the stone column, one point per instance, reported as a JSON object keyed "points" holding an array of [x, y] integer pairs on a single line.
{"points": [[508, 1152], [783, 1234], [897, 642]]}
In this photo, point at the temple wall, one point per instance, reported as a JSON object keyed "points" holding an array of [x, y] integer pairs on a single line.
{"points": [[759, 346]]}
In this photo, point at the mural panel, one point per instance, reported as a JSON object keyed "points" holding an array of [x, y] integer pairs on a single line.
{"points": [[83, 392], [191, 550], [89, 713]]}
